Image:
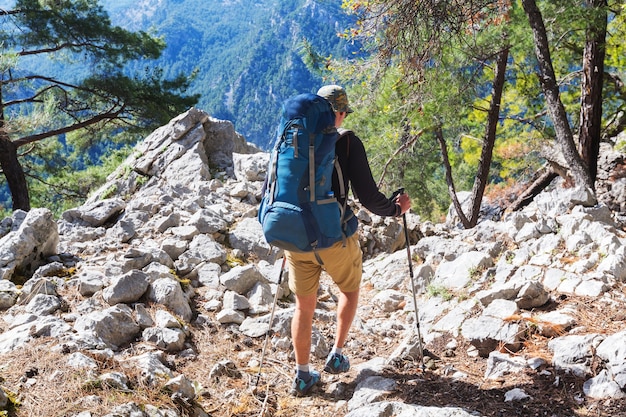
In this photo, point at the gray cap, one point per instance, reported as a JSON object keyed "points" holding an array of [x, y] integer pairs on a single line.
{"points": [[337, 97]]}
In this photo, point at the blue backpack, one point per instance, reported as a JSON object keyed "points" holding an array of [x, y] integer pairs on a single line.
{"points": [[299, 211]]}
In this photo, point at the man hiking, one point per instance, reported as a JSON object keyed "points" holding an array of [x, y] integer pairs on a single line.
{"points": [[344, 260]]}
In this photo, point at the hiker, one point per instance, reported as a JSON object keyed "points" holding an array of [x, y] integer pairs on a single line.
{"points": [[342, 261]]}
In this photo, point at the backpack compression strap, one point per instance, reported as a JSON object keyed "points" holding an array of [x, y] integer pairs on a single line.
{"points": [[312, 166]]}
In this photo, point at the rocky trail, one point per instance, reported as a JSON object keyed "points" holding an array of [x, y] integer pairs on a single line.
{"points": [[154, 298]]}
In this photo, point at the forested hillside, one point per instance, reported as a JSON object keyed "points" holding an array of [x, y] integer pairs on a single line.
{"points": [[246, 55], [239, 60]]}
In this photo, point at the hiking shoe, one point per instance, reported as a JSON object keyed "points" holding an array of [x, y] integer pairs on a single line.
{"points": [[301, 387], [337, 363]]}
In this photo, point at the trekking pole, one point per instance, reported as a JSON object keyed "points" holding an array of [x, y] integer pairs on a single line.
{"points": [[269, 329], [417, 320]]}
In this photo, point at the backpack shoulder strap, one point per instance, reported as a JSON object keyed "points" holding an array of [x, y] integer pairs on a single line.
{"points": [[343, 191], [345, 132]]}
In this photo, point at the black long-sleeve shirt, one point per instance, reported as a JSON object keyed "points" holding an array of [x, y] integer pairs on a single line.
{"points": [[356, 171]]}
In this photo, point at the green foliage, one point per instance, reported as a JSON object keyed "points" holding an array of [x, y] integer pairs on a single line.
{"points": [[439, 291], [398, 125], [82, 27], [68, 93], [70, 188], [620, 145], [387, 122], [446, 76], [152, 99], [377, 121], [615, 54]]}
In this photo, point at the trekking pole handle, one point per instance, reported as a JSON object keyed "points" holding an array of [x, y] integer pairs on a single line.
{"points": [[397, 193]]}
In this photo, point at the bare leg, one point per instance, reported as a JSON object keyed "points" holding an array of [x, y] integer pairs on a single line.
{"points": [[346, 310], [302, 326]]}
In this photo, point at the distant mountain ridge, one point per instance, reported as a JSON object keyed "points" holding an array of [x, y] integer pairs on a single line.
{"points": [[245, 53]]}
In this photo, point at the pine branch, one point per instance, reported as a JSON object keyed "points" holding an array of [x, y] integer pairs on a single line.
{"points": [[110, 115], [59, 47]]}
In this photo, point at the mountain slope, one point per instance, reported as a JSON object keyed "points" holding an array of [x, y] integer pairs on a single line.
{"points": [[245, 54]]}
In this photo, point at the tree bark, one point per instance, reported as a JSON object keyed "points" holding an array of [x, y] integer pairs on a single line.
{"points": [[14, 173], [484, 165], [592, 84], [617, 122], [547, 77], [449, 180], [540, 183]]}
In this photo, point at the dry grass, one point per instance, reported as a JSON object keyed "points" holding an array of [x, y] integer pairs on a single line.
{"points": [[45, 385]]}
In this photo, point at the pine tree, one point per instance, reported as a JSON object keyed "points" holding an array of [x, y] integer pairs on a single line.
{"points": [[554, 108], [94, 93]]}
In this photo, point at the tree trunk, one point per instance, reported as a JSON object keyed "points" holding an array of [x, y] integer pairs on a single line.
{"points": [[592, 83], [547, 77], [484, 165], [13, 172], [482, 174], [449, 180], [538, 185]]}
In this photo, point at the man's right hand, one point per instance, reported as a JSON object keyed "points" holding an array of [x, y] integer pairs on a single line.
{"points": [[404, 202]]}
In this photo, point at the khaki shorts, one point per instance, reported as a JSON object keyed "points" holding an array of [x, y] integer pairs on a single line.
{"points": [[343, 264]]}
